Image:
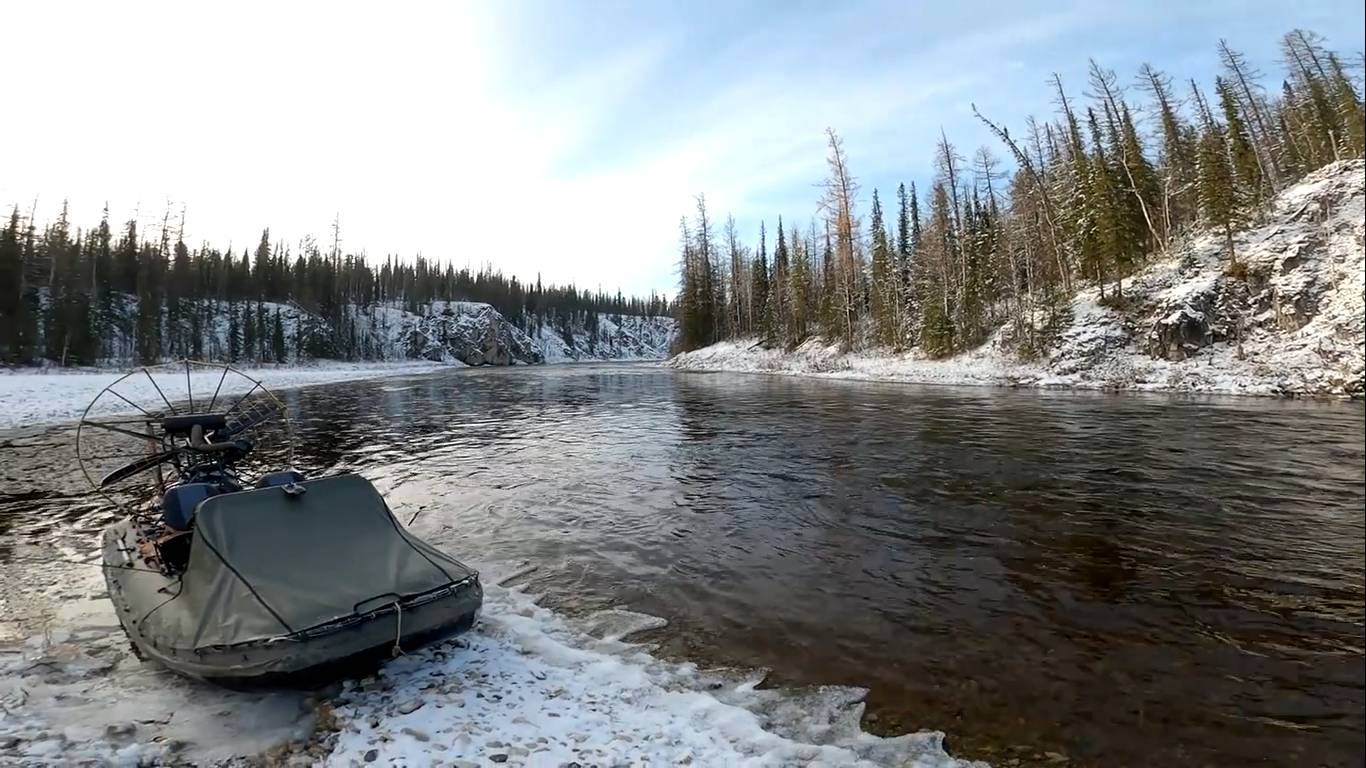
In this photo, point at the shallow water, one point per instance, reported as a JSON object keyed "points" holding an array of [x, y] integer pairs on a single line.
{"points": [[1124, 580]]}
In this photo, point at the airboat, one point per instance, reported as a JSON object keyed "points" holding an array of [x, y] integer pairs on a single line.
{"points": [[233, 567]]}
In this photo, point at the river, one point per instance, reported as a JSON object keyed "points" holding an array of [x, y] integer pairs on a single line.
{"points": [[1121, 579]]}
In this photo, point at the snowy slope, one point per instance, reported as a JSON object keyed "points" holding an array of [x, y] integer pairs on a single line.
{"points": [[1289, 321], [473, 333]]}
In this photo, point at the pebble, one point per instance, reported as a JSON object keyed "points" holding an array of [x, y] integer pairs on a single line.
{"points": [[410, 706], [117, 730], [416, 734], [371, 755], [499, 758]]}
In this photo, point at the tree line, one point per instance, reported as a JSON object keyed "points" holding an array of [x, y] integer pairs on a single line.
{"points": [[1087, 197], [74, 297]]}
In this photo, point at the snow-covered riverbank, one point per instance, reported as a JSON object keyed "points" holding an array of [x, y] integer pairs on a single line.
{"points": [[525, 687], [1288, 322], [30, 397]]}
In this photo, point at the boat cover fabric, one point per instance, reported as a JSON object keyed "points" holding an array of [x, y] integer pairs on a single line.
{"points": [[267, 563]]}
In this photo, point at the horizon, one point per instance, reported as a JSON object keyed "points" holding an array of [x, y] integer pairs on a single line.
{"points": [[584, 150]]}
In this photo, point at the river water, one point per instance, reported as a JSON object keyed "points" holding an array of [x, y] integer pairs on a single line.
{"points": [[1124, 580]]}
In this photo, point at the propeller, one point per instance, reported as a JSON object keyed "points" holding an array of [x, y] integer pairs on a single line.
{"points": [[141, 465]]}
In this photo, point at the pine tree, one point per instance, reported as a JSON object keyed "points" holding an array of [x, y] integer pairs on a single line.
{"points": [[12, 308], [248, 332], [1247, 172], [778, 299], [799, 290], [884, 281], [759, 289], [1176, 159], [909, 267], [1216, 185], [1349, 108], [936, 313]]}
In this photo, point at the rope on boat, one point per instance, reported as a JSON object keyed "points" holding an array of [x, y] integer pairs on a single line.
{"points": [[398, 635]]}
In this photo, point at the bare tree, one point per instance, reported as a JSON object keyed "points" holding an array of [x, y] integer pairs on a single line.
{"points": [[841, 190]]}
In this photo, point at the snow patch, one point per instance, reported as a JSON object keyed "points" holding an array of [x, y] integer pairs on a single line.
{"points": [[526, 684], [529, 687], [48, 395]]}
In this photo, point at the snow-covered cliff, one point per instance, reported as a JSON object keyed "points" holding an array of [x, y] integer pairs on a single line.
{"points": [[468, 332]]}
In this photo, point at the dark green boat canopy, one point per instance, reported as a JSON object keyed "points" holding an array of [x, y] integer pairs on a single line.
{"points": [[271, 563]]}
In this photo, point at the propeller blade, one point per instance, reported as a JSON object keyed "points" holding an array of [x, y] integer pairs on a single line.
{"points": [[141, 465]]}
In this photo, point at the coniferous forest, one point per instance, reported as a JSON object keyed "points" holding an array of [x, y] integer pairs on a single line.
{"points": [[116, 296], [1088, 194]]}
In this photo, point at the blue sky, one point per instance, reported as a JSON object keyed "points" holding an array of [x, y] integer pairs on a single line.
{"points": [[562, 138]]}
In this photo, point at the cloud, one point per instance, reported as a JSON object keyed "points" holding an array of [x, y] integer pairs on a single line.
{"points": [[561, 139]]}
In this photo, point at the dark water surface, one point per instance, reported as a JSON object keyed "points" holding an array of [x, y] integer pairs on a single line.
{"points": [[1125, 580]]}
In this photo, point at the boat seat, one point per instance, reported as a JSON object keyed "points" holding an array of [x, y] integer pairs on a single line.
{"points": [[274, 479], [179, 503]]}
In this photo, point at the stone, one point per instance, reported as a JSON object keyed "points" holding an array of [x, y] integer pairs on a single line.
{"points": [[417, 734], [499, 757], [120, 730], [371, 755], [410, 706]]}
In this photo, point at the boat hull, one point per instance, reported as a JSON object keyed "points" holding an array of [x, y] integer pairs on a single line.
{"points": [[308, 658]]}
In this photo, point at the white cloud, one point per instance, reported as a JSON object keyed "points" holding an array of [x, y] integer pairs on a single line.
{"points": [[565, 141]]}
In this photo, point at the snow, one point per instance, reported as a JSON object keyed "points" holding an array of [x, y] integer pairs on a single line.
{"points": [[1293, 326], [539, 690], [72, 693], [634, 338], [526, 683], [42, 396]]}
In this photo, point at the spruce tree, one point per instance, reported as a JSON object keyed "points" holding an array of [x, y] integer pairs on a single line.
{"points": [[1349, 108], [1215, 181], [12, 308], [884, 276], [778, 298], [759, 282], [1247, 173]]}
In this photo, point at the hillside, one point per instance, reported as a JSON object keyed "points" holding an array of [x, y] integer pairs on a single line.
{"points": [[1287, 321], [472, 333]]}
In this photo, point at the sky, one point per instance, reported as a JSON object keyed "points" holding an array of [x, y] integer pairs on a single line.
{"points": [[564, 139]]}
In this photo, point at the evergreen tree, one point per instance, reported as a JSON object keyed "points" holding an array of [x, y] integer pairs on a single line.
{"points": [[759, 288], [1349, 108], [12, 308], [884, 281], [1216, 186], [1247, 173], [778, 299]]}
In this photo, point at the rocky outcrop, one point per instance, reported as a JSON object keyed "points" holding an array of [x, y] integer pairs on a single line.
{"points": [[468, 332]]}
